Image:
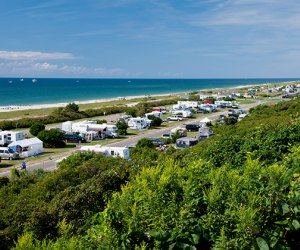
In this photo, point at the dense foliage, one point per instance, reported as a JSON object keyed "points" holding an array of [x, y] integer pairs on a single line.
{"points": [[240, 189], [36, 128], [52, 138]]}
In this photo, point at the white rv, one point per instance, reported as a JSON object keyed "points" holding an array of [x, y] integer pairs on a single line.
{"points": [[139, 123], [87, 126], [184, 112], [122, 152], [188, 104], [7, 137], [155, 113]]}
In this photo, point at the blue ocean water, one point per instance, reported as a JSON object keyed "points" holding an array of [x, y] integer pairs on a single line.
{"points": [[16, 91]]}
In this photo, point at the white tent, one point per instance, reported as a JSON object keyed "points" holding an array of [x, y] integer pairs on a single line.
{"points": [[27, 147]]}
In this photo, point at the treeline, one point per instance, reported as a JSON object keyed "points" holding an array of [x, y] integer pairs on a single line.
{"points": [[71, 112], [239, 189]]}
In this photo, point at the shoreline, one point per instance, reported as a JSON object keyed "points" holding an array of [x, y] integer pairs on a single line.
{"points": [[9, 108]]}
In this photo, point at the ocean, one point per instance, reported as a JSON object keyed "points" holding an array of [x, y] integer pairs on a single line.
{"points": [[26, 91]]}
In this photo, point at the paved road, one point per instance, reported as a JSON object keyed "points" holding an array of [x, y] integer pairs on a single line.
{"points": [[50, 163]]}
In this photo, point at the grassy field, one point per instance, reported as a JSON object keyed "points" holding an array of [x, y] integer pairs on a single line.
{"points": [[17, 114]]}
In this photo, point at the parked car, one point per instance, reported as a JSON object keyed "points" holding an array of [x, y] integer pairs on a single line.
{"points": [[8, 153], [234, 106], [74, 138], [175, 118], [157, 142], [192, 127], [168, 135], [232, 113]]}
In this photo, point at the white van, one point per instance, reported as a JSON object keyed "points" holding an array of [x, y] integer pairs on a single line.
{"points": [[8, 153]]}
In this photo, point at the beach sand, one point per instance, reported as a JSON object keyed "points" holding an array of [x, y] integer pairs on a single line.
{"points": [[63, 104]]}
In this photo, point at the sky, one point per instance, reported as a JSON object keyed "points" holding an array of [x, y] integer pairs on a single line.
{"points": [[150, 38]]}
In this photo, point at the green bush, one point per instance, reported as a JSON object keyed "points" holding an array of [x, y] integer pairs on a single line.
{"points": [[122, 127], [52, 138], [36, 128]]}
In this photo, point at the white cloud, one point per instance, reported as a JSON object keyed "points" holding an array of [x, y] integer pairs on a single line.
{"points": [[32, 69], [34, 55]]}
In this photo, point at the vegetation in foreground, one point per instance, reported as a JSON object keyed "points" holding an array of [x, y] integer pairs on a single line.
{"points": [[239, 189]]}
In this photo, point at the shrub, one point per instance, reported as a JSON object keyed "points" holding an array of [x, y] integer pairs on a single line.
{"points": [[52, 138], [122, 127], [36, 128], [72, 107], [155, 121], [144, 143]]}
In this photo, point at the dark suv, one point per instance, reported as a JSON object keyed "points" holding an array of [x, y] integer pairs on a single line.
{"points": [[192, 127], [74, 138]]}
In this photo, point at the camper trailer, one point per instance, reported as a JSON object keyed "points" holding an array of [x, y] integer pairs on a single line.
{"points": [[186, 142], [7, 137], [188, 104], [139, 123], [122, 152], [84, 127], [154, 113], [184, 112]]}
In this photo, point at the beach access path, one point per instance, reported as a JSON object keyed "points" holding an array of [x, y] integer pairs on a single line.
{"points": [[50, 163]]}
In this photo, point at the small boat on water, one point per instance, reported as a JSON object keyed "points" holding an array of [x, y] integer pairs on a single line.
{"points": [[34, 80], [21, 80], [10, 81]]}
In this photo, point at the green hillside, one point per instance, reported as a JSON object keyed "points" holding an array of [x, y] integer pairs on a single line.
{"points": [[240, 189]]}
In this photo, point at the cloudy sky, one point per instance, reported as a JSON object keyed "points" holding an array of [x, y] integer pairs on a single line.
{"points": [[150, 38]]}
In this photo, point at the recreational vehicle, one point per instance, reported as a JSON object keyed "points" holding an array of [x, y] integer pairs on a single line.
{"points": [[122, 152], [7, 137], [139, 123]]}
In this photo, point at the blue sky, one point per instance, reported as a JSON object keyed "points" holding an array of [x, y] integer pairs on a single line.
{"points": [[150, 38]]}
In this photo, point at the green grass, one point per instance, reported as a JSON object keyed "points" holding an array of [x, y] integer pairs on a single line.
{"points": [[17, 114]]}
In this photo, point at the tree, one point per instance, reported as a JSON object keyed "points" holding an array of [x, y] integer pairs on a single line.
{"points": [[52, 138], [155, 121], [144, 143], [36, 128], [122, 127], [131, 111], [72, 107]]}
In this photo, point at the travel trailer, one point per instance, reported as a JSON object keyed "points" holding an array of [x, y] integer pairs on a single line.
{"points": [[155, 113], [139, 123], [7, 137], [122, 152], [184, 112], [104, 130], [188, 104]]}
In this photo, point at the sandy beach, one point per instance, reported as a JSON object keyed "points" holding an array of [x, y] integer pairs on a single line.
{"points": [[10, 108]]}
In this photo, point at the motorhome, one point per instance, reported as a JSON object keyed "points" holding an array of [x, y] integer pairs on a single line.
{"points": [[7, 137], [158, 114], [139, 123], [184, 112], [223, 104], [122, 152], [186, 142], [188, 104], [104, 130]]}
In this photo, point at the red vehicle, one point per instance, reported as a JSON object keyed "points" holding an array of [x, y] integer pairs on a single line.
{"points": [[208, 102]]}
